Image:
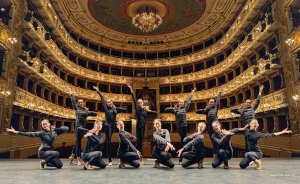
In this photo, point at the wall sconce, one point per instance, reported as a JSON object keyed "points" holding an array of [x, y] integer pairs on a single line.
{"points": [[295, 97], [290, 41], [5, 93], [12, 40]]}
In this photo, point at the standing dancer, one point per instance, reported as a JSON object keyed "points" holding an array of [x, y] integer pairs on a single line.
{"points": [[162, 146], [253, 153], [223, 146], [246, 111], [111, 112], [89, 154], [211, 112], [141, 115], [48, 136], [180, 111], [126, 157], [195, 143], [82, 113]]}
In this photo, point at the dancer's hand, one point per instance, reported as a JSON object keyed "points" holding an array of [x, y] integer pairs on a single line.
{"points": [[95, 88], [139, 154], [69, 89], [221, 89], [179, 152], [113, 107], [52, 127], [225, 132], [88, 134], [11, 130], [286, 131], [260, 89], [92, 131], [86, 110], [194, 90], [130, 87], [127, 135], [245, 127], [176, 106], [208, 107]]}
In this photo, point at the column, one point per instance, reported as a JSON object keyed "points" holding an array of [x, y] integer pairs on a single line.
{"points": [[31, 124], [276, 124], [21, 126], [265, 125]]}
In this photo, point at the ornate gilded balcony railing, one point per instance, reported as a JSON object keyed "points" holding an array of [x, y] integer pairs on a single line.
{"points": [[218, 69], [7, 39], [244, 79], [294, 40], [30, 101], [69, 42], [272, 101]]}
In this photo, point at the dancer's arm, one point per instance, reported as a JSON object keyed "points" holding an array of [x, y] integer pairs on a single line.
{"points": [[124, 138], [28, 134], [74, 103], [189, 138], [217, 104], [267, 135], [61, 130], [130, 136], [195, 141], [94, 138], [201, 111], [120, 109], [134, 99], [103, 101], [235, 111], [170, 110], [188, 102], [220, 141], [238, 130], [257, 102], [158, 139]]}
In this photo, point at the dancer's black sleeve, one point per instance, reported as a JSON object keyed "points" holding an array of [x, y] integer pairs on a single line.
{"points": [[124, 138], [195, 141]]}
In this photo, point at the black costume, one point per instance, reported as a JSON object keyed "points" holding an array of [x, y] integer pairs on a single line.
{"points": [[48, 139], [89, 153], [110, 123], [158, 152], [180, 115], [81, 116], [130, 158]]}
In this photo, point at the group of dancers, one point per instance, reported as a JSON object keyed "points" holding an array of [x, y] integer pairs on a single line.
{"points": [[192, 149]]}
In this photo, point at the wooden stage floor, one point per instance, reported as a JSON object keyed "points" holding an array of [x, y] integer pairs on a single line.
{"points": [[274, 170]]}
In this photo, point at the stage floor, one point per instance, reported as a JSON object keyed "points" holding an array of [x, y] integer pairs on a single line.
{"points": [[274, 170]]}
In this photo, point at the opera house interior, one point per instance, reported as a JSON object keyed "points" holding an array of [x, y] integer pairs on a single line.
{"points": [[164, 49]]}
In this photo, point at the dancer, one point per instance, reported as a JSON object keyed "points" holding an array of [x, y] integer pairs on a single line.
{"points": [[48, 136], [253, 154], [195, 143], [222, 144], [89, 154], [246, 111], [211, 112], [82, 113], [141, 115], [180, 111], [126, 157], [111, 112], [162, 146]]}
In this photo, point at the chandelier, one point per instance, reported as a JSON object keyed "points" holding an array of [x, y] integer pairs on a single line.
{"points": [[146, 20]]}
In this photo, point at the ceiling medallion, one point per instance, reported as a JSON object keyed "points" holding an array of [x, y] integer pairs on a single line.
{"points": [[146, 19]]}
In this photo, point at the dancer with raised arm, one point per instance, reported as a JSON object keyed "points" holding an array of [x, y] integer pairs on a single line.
{"points": [[141, 115], [89, 154], [162, 146], [246, 111], [180, 111], [111, 112], [222, 145], [211, 112], [195, 143], [253, 153], [125, 156], [48, 136], [82, 113]]}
